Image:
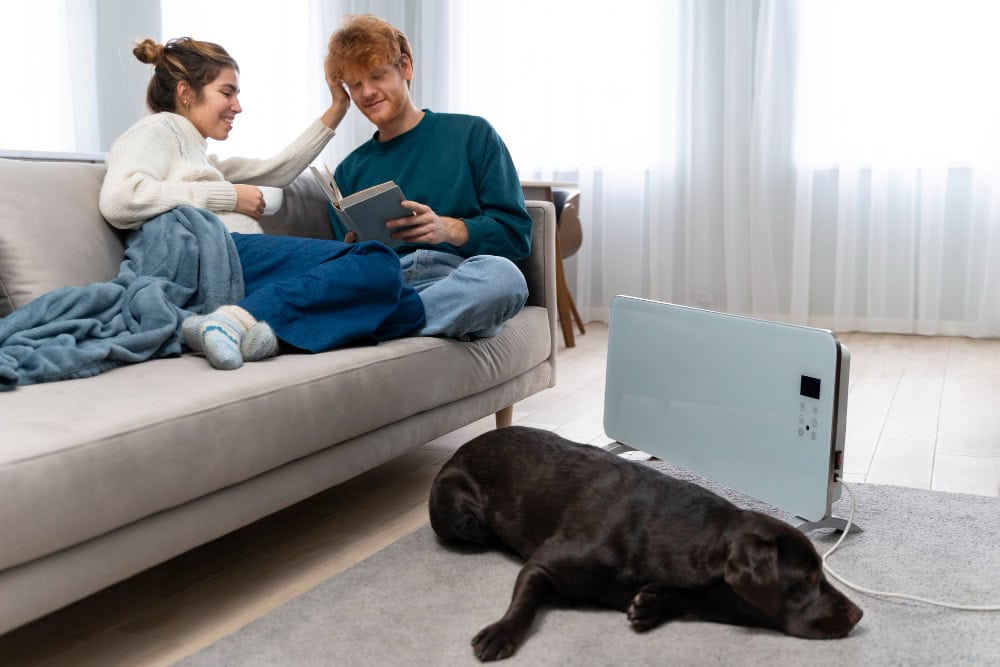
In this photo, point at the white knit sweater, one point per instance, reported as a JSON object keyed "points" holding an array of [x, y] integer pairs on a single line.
{"points": [[161, 163]]}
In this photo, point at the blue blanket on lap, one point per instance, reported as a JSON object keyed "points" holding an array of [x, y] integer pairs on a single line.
{"points": [[180, 263]]}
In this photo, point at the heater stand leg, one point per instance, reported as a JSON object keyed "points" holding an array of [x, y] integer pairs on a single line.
{"points": [[834, 522]]}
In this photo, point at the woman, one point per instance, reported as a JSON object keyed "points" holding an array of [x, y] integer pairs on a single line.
{"points": [[308, 293]]}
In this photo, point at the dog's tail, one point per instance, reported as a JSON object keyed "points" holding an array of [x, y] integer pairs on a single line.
{"points": [[456, 512]]}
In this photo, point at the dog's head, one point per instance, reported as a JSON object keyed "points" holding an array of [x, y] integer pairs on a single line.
{"points": [[776, 570]]}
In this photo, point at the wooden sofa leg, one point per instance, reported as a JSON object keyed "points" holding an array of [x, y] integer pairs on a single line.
{"points": [[505, 417]]}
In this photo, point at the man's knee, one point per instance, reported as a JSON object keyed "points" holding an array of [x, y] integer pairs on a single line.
{"points": [[501, 274]]}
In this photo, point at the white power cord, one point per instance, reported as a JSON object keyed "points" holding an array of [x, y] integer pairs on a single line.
{"points": [[885, 594]]}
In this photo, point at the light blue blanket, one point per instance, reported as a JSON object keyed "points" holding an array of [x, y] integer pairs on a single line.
{"points": [[180, 263]]}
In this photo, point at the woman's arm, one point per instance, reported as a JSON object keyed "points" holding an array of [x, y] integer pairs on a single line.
{"points": [[282, 169]]}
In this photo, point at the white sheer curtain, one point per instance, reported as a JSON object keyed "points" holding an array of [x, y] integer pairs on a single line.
{"points": [[829, 164], [897, 152], [49, 76]]}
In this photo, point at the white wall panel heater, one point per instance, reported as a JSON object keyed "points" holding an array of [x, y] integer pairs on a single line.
{"points": [[757, 406]]}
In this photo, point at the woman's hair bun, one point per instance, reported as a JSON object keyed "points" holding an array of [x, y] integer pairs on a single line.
{"points": [[148, 51]]}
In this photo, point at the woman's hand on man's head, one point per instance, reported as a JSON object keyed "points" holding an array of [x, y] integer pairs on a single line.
{"points": [[340, 101]]}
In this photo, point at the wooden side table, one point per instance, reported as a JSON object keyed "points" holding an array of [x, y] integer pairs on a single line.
{"points": [[543, 190]]}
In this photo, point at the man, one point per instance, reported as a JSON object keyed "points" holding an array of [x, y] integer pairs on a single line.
{"points": [[469, 223]]}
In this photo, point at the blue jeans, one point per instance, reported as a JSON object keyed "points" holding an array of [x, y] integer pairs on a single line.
{"points": [[464, 298]]}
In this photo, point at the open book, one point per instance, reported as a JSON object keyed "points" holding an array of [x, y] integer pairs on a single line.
{"points": [[366, 212]]}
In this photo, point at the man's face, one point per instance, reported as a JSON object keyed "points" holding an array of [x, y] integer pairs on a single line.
{"points": [[381, 93]]}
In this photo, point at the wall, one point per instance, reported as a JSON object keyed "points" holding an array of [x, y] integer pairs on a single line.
{"points": [[121, 79]]}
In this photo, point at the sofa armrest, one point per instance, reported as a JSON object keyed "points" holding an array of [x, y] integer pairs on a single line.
{"points": [[539, 267]]}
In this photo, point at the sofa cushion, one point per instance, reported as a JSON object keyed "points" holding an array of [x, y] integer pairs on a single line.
{"points": [[144, 438], [41, 201]]}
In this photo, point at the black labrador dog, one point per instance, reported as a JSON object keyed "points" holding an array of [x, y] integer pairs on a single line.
{"points": [[596, 529]]}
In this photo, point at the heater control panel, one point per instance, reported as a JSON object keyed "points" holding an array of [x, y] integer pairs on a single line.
{"points": [[809, 407]]}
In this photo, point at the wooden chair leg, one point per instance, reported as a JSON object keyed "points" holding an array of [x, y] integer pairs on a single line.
{"points": [[563, 301], [576, 313], [505, 417]]}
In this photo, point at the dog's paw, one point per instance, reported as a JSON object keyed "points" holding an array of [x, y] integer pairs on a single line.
{"points": [[495, 642], [645, 611]]}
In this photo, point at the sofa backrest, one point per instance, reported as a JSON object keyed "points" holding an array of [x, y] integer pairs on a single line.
{"points": [[51, 232], [53, 235], [303, 211]]}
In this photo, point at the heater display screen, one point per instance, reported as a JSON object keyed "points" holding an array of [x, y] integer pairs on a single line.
{"points": [[809, 387]]}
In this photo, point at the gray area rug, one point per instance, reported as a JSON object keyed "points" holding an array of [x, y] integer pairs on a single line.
{"points": [[417, 602]]}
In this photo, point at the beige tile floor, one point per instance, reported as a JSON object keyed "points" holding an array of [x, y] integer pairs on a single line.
{"points": [[922, 413]]}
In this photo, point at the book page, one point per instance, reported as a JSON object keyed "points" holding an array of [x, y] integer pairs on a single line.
{"points": [[328, 188], [362, 195]]}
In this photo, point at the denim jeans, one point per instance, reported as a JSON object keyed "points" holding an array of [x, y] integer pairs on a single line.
{"points": [[464, 298]]}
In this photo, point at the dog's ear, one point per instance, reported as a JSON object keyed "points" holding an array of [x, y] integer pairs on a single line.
{"points": [[751, 570]]}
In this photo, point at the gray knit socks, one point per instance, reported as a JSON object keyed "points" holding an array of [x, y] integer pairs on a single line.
{"points": [[229, 336]]}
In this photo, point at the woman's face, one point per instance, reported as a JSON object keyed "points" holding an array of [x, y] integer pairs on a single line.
{"points": [[213, 112]]}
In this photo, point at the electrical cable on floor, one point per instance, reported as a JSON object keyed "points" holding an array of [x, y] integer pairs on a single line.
{"points": [[885, 594]]}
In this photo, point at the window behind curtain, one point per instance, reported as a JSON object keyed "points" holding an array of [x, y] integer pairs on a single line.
{"points": [[279, 65], [898, 82]]}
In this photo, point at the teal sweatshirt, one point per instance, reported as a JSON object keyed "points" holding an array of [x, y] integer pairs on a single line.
{"points": [[457, 165]]}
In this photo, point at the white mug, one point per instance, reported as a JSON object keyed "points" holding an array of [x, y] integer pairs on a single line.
{"points": [[273, 197]]}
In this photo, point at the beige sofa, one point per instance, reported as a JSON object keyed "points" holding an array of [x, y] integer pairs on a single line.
{"points": [[103, 477]]}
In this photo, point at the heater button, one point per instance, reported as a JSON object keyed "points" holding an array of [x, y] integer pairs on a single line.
{"points": [[808, 408]]}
